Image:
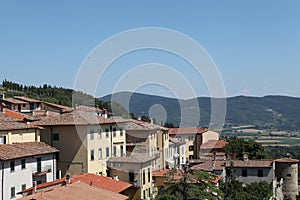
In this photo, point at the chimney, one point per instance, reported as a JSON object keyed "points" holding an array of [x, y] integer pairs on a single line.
{"points": [[68, 178], [34, 186], [245, 157], [116, 178], [151, 120]]}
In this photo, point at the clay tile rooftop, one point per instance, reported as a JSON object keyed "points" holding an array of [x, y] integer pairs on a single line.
{"points": [[77, 190], [24, 149], [10, 126], [214, 144], [138, 158], [286, 160], [26, 99], [186, 131], [14, 101], [102, 182]]}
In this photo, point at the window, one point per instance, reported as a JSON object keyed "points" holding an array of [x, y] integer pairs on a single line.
{"points": [[144, 192], [289, 175], [191, 157], [39, 164], [107, 152], [260, 173], [107, 132], [144, 177], [91, 134], [100, 153], [3, 139], [55, 137], [23, 164], [149, 193], [23, 187], [12, 166], [12, 192], [191, 148], [114, 132], [149, 176], [100, 134], [131, 177], [122, 150], [115, 151], [244, 173], [121, 132], [92, 155]]}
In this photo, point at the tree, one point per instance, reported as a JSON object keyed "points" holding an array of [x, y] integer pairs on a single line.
{"points": [[237, 147], [193, 184]]}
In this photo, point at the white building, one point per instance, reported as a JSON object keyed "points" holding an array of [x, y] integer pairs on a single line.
{"points": [[22, 164]]}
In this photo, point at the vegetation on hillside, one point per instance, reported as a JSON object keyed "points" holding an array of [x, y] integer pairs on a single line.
{"points": [[59, 95], [268, 113]]}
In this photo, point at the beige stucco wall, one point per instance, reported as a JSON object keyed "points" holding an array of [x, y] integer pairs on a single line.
{"points": [[26, 135]]}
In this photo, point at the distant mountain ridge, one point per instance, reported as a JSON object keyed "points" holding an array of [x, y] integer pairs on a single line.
{"points": [[268, 112]]}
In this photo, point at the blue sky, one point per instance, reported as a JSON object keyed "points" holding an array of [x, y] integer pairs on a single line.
{"points": [[255, 44]]}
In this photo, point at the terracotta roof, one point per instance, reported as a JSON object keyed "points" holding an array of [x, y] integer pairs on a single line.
{"points": [[24, 149], [137, 158], [287, 160], [77, 190], [187, 131], [77, 118], [102, 182], [249, 163], [14, 101], [214, 144], [88, 108], [17, 115], [61, 107], [27, 99], [160, 172], [8, 126], [210, 165], [45, 185], [5, 118], [150, 126]]}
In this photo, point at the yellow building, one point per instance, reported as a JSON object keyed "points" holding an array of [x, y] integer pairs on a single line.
{"points": [[193, 138], [136, 170], [85, 141]]}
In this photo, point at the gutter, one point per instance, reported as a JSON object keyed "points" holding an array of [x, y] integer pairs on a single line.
{"points": [[2, 184]]}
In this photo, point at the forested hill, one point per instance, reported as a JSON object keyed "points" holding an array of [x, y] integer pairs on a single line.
{"points": [[51, 94], [271, 112]]}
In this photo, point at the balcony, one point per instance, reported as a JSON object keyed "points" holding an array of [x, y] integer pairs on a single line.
{"points": [[41, 171]]}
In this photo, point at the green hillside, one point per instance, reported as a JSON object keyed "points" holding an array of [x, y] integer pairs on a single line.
{"points": [[269, 112]]}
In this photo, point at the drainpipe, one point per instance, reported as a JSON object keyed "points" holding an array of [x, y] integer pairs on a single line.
{"points": [[2, 185]]}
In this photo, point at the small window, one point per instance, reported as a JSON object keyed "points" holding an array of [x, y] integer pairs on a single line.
{"points": [[23, 187], [107, 132], [191, 157], [12, 192], [12, 166], [121, 132], [91, 134], [122, 150], [100, 134], [144, 192], [107, 152], [191, 148], [55, 136], [100, 153], [244, 173], [149, 192], [115, 151], [114, 132], [260, 173], [144, 177], [289, 175], [23, 164], [92, 155], [149, 176]]}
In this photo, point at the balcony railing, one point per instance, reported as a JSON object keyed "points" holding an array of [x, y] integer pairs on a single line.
{"points": [[44, 169]]}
